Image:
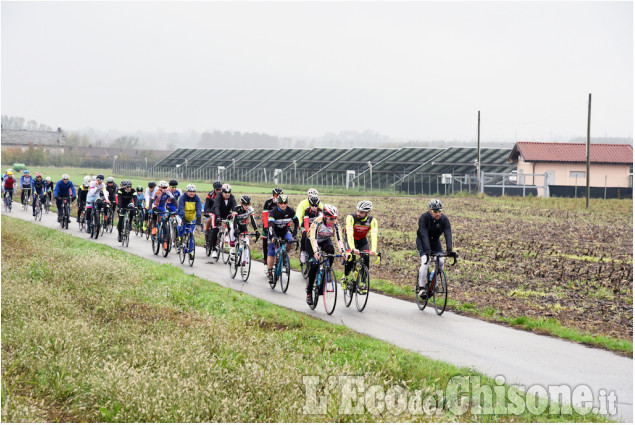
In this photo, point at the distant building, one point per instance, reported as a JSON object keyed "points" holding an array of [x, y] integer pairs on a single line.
{"points": [[564, 165], [50, 141]]}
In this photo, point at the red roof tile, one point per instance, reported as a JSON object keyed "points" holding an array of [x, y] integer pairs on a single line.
{"points": [[572, 152]]}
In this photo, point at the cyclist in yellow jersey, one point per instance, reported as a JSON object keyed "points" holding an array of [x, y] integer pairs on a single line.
{"points": [[358, 225], [304, 204]]}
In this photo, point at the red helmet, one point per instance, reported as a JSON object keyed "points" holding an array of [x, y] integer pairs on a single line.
{"points": [[38, 174], [330, 211]]}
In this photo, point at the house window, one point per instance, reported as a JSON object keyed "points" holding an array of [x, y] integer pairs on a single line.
{"points": [[577, 174]]}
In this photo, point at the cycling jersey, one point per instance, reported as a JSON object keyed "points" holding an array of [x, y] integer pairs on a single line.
{"points": [[37, 186], [241, 221], [190, 207], [149, 196], [64, 189], [9, 182], [311, 216], [279, 222], [224, 207], [25, 182], [303, 207], [357, 229], [112, 191], [95, 191], [429, 232], [162, 200], [321, 232], [209, 202], [173, 205], [140, 200], [82, 193], [125, 197]]}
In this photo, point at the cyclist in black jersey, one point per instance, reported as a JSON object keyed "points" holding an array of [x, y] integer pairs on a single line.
{"points": [[126, 199], [269, 205], [223, 209], [279, 219], [82, 193], [432, 225]]}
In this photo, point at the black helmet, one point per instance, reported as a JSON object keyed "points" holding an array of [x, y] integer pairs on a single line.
{"points": [[314, 201], [174, 183], [217, 185], [152, 185], [245, 199], [277, 191], [139, 188], [283, 199], [100, 177], [435, 205]]}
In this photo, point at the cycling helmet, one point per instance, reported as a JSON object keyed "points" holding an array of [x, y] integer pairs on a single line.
{"points": [[65, 177], [365, 206], [435, 204], [312, 192], [152, 185], [139, 188], [277, 191], [190, 188], [163, 183], [227, 188], [100, 177], [9, 173], [48, 178], [217, 185], [314, 201], [10, 169], [127, 183], [110, 180], [38, 174], [26, 172], [86, 180], [283, 199], [245, 199], [173, 182], [330, 211]]}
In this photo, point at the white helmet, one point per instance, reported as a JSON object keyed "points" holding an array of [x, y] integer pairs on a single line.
{"points": [[312, 192], [48, 178], [65, 177], [110, 180], [365, 206], [190, 188], [163, 183], [86, 180]]}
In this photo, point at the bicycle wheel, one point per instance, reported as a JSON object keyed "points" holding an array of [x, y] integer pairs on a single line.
{"points": [[66, 217], [275, 271], [82, 220], [125, 237], [208, 243], [224, 247], [155, 243], [181, 251], [96, 229], [349, 292], [191, 244], [329, 290], [317, 290], [245, 262], [149, 229], [421, 302], [233, 263], [38, 211], [165, 240], [440, 292], [362, 288], [136, 225], [286, 272]]}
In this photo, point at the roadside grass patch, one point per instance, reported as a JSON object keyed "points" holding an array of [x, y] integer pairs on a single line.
{"points": [[105, 336]]}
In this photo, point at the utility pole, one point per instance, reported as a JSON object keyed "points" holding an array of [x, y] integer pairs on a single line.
{"points": [[478, 148], [588, 155]]}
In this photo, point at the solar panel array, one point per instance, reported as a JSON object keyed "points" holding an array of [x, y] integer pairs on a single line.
{"points": [[403, 169]]}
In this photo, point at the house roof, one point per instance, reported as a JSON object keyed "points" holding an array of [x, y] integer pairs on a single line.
{"points": [[26, 137], [572, 152]]}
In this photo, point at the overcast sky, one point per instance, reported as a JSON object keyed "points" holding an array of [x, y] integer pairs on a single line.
{"points": [[413, 70]]}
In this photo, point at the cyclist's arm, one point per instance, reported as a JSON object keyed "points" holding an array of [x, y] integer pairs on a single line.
{"points": [[447, 231], [338, 237], [349, 232], [374, 228], [301, 208], [422, 234], [312, 233]]}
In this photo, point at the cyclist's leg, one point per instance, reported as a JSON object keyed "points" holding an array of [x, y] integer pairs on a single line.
{"points": [[313, 267], [425, 263], [121, 213], [437, 249], [58, 203], [363, 245], [179, 226], [35, 195]]}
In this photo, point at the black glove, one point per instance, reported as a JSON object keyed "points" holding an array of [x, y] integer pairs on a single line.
{"points": [[257, 235], [428, 255], [74, 197], [198, 221], [452, 254]]}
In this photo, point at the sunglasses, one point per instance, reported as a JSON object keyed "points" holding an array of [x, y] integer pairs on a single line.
{"points": [[218, 190], [331, 218], [172, 187]]}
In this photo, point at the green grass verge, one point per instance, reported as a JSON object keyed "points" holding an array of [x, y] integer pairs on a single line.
{"points": [[91, 333]]}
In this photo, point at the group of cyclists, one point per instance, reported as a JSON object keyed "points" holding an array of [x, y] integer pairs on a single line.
{"points": [[317, 224]]}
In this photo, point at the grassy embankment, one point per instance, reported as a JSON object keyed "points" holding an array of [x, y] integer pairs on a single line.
{"points": [[91, 333]]}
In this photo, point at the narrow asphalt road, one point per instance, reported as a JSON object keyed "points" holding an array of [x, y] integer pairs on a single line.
{"points": [[520, 357]]}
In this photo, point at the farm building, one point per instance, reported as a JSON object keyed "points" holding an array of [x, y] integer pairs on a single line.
{"points": [[563, 165], [50, 141], [411, 170]]}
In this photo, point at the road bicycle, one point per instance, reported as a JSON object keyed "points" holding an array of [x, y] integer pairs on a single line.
{"points": [[7, 201], [66, 212], [81, 218], [152, 223], [304, 266], [240, 256], [109, 214], [436, 286], [359, 286], [26, 195], [174, 231], [281, 264], [325, 282], [187, 245], [161, 240], [38, 208], [127, 226], [47, 202]]}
